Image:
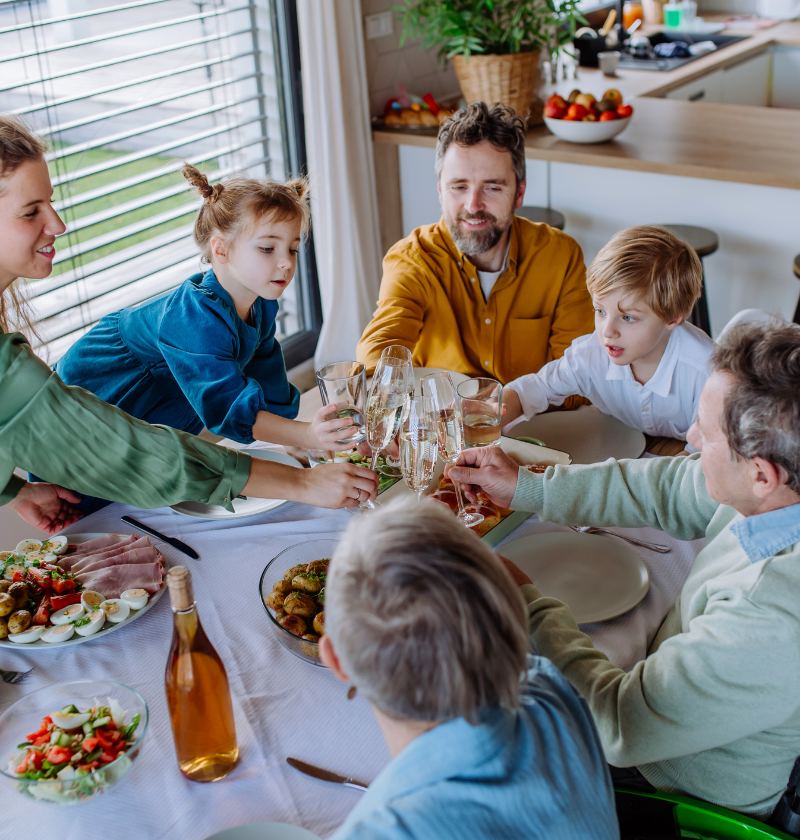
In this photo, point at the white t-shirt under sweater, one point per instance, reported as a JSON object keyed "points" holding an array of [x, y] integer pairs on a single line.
{"points": [[489, 278]]}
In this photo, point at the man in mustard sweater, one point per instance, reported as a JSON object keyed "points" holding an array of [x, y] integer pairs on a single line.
{"points": [[482, 292], [714, 709]]}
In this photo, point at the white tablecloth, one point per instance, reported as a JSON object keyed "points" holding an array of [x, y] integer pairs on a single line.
{"points": [[283, 706]]}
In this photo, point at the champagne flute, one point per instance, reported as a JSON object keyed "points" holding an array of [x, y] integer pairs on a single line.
{"points": [[418, 444], [388, 393], [403, 354], [450, 431]]}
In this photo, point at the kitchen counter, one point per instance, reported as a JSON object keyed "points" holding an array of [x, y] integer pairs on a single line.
{"points": [[735, 143]]}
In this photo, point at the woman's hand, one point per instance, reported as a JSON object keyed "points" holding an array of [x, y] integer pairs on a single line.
{"points": [[339, 485], [326, 428], [48, 507]]}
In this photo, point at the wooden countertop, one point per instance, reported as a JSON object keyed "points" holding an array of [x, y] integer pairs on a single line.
{"points": [[737, 143]]}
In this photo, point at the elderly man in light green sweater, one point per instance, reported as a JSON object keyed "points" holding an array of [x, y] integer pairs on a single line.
{"points": [[714, 709]]}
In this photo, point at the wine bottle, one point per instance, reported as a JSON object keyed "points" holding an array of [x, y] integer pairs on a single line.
{"points": [[198, 694]]}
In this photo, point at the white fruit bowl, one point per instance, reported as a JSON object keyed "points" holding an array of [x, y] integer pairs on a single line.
{"points": [[587, 132]]}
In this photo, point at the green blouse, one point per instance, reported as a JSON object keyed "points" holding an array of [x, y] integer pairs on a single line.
{"points": [[70, 437]]}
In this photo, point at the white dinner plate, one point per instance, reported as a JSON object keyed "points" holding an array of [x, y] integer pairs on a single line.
{"points": [[587, 434], [108, 627], [241, 507], [265, 831], [597, 577]]}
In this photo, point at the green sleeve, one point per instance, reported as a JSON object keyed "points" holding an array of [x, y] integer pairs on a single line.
{"points": [[70, 437], [665, 493], [9, 492]]}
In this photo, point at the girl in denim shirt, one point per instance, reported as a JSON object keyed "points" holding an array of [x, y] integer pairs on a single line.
{"points": [[205, 354]]}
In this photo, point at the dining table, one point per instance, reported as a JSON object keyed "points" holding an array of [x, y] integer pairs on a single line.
{"points": [[283, 706]]}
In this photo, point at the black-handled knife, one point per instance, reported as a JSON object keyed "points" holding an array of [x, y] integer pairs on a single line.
{"points": [[177, 544]]}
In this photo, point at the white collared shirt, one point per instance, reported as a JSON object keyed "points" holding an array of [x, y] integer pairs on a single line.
{"points": [[666, 405]]}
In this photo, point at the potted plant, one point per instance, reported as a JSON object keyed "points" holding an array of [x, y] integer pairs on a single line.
{"points": [[495, 45]]}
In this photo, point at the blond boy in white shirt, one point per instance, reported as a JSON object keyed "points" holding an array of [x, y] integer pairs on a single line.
{"points": [[643, 364]]}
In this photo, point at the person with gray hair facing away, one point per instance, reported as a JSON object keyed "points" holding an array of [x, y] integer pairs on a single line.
{"points": [[714, 709], [487, 740]]}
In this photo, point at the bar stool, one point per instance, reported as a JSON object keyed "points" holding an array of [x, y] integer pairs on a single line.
{"points": [[704, 242], [797, 275], [541, 215]]}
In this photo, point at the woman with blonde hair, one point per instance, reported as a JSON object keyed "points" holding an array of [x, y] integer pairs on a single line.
{"points": [[71, 437]]}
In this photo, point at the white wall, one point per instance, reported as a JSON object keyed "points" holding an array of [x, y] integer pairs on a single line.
{"points": [[757, 226]]}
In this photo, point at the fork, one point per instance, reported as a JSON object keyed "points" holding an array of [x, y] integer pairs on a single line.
{"points": [[588, 529], [14, 676]]}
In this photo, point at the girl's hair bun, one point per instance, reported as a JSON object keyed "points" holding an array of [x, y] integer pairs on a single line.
{"points": [[198, 180], [298, 185]]}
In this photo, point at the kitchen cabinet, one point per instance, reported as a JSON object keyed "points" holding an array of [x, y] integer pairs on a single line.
{"points": [[708, 88], [747, 82], [786, 77]]}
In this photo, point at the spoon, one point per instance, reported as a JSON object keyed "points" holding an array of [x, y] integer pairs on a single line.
{"points": [[588, 529]]}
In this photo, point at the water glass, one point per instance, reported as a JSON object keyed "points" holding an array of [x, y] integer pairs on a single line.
{"points": [[345, 383], [418, 444], [481, 407]]}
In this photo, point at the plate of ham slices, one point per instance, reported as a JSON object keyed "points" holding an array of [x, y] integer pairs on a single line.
{"points": [[79, 587]]}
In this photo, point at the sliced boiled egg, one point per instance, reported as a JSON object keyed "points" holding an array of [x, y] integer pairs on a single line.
{"points": [[94, 622], [58, 545], [10, 570], [5, 556], [70, 720], [341, 457], [68, 614], [42, 556], [30, 635], [26, 546], [116, 610], [60, 633], [91, 599], [135, 598]]}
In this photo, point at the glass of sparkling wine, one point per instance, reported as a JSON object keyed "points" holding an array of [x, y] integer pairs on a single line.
{"points": [[387, 395], [482, 406], [403, 354], [450, 430], [418, 444], [345, 383]]}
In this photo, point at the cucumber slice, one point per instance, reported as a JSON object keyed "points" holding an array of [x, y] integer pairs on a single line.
{"points": [[70, 709], [101, 721], [88, 730]]}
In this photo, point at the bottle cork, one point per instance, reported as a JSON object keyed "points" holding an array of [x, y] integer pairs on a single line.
{"points": [[181, 592]]}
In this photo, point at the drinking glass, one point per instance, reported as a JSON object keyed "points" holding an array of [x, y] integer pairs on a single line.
{"points": [[345, 383], [387, 394], [403, 354], [449, 425], [481, 407], [418, 444]]}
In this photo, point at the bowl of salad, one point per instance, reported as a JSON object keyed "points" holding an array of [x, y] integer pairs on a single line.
{"points": [[70, 742]]}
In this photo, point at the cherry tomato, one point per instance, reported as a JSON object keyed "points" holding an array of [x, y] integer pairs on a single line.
{"points": [[607, 115], [576, 112], [624, 111]]}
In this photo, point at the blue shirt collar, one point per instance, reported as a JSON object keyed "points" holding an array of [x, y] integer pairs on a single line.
{"points": [[768, 533], [208, 284]]}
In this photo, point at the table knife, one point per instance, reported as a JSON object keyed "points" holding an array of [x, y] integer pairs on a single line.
{"points": [[324, 775], [177, 544]]}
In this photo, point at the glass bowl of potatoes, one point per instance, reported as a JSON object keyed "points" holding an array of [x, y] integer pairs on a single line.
{"points": [[292, 589]]}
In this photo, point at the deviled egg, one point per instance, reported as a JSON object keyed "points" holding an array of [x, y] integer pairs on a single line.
{"points": [[30, 635], [58, 545], [135, 598], [91, 599], [68, 614], [116, 610], [90, 623], [59, 633], [11, 569], [26, 546]]}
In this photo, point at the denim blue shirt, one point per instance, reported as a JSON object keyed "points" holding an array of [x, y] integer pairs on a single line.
{"points": [[186, 359], [767, 534], [538, 773]]}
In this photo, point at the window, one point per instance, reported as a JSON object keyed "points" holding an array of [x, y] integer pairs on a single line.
{"points": [[124, 93]]}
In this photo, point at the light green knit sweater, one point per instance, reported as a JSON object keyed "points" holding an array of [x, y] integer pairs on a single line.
{"points": [[714, 710]]}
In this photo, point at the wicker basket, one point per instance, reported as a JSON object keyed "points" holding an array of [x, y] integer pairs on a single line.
{"points": [[509, 79]]}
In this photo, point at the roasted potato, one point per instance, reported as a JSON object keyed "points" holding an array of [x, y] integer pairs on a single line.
{"points": [[283, 586], [318, 566], [319, 623], [294, 624], [7, 604], [290, 573], [19, 621], [279, 614], [275, 600], [297, 603], [20, 591], [3, 628], [310, 650], [305, 582], [4, 585]]}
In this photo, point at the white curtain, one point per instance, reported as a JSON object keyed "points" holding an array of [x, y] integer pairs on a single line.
{"points": [[339, 142]]}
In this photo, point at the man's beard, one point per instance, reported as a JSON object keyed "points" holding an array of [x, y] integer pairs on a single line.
{"points": [[473, 243]]}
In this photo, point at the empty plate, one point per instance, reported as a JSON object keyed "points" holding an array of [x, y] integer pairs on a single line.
{"points": [[265, 831], [597, 577], [251, 506], [587, 434]]}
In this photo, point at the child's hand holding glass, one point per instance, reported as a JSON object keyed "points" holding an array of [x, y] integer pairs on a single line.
{"points": [[329, 426]]}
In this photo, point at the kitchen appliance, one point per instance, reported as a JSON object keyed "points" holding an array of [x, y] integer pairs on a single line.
{"points": [[629, 61]]}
